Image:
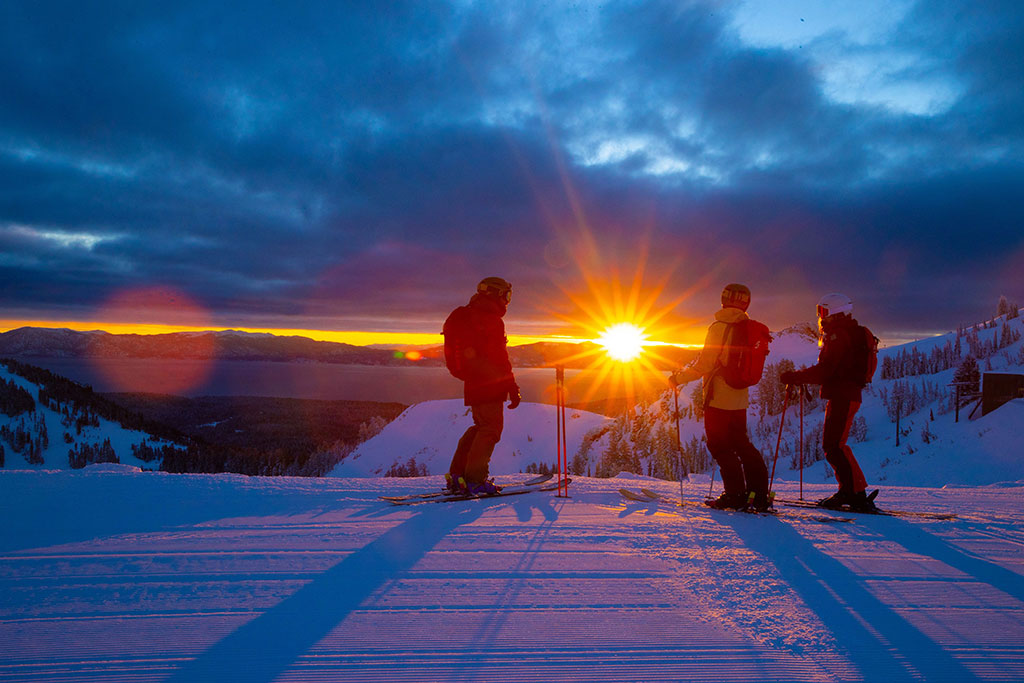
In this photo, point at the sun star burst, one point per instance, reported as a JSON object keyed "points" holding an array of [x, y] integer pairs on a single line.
{"points": [[623, 341]]}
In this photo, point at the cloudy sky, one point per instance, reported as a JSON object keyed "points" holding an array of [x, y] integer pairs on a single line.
{"points": [[360, 166]]}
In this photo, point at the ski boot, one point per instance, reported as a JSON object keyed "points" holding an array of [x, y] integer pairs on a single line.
{"points": [[837, 500], [862, 502], [483, 488], [728, 501], [454, 485], [759, 501]]}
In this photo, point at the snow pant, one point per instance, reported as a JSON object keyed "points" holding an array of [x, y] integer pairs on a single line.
{"points": [[839, 414], [472, 457], [743, 469]]}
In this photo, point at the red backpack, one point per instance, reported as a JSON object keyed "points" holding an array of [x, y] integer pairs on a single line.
{"points": [[457, 336], [747, 345]]}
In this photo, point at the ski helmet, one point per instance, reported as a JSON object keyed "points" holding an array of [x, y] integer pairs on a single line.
{"points": [[834, 304], [736, 296], [496, 287]]}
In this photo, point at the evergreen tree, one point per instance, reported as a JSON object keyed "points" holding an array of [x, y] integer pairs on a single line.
{"points": [[968, 375], [1008, 335], [697, 401], [14, 400]]}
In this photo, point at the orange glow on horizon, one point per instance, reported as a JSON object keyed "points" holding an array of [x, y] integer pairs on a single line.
{"points": [[354, 337]]}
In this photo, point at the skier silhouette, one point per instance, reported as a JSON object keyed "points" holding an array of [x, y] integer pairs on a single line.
{"points": [[845, 365], [476, 351], [725, 411]]}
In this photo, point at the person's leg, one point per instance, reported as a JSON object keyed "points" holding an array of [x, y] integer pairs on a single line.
{"points": [[860, 482], [839, 418], [755, 473], [720, 445], [457, 468], [489, 420]]}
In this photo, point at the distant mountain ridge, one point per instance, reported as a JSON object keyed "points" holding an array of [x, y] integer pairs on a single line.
{"points": [[29, 342], [36, 342]]}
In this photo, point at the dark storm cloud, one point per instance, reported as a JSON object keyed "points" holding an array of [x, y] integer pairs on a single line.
{"points": [[359, 161]]}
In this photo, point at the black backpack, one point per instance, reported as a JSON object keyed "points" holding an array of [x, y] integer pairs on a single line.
{"points": [[457, 333]]}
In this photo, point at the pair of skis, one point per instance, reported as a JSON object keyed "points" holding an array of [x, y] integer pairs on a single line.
{"points": [[877, 511], [649, 496], [538, 483]]}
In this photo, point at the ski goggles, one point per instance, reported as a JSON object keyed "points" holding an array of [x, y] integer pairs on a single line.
{"points": [[500, 292]]}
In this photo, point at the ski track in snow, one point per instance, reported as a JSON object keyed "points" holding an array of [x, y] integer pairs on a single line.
{"points": [[120, 576]]}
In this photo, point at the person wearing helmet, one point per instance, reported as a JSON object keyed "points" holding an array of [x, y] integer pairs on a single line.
{"points": [[476, 351], [725, 411], [844, 367]]}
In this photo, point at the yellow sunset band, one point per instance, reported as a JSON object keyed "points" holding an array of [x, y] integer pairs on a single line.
{"points": [[357, 338]]}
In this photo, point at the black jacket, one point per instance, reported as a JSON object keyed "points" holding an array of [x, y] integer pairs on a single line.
{"points": [[840, 367], [489, 375]]}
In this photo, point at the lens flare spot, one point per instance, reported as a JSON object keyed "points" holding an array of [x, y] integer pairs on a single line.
{"points": [[185, 361], [623, 341]]}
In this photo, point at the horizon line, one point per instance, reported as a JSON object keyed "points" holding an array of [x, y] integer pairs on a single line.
{"points": [[365, 337], [353, 337]]}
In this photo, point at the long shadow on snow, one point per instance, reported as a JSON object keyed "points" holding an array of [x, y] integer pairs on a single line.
{"points": [[262, 649], [880, 642], [916, 540], [488, 633]]}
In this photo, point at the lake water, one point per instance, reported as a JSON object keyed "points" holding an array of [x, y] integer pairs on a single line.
{"points": [[328, 381]]}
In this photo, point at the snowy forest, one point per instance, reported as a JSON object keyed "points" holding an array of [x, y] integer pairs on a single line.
{"points": [[57, 423]]}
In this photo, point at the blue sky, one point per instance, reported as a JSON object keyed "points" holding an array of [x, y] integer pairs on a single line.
{"points": [[362, 165]]}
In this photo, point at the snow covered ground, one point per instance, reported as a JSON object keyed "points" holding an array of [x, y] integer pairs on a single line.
{"points": [[111, 574]]}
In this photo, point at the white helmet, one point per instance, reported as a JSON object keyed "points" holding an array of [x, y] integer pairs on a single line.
{"points": [[834, 304]]}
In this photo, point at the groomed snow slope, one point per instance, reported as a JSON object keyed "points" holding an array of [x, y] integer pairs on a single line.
{"points": [[110, 574]]}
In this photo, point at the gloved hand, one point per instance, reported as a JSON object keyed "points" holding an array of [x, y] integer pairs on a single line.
{"points": [[789, 377], [673, 379], [514, 398]]}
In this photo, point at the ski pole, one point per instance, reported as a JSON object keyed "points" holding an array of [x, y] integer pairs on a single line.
{"points": [[679, 448], [801, 445], [712, 486], [560, 427], [565, 444], [782, 421]]}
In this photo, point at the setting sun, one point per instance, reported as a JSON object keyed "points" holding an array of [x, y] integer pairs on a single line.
{"points": [[623, 341]]}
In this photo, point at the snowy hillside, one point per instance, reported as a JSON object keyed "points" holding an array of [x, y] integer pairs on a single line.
{"points": [[933, 449], [428, 433], [42, 428], [912, 380], [798, 344]]}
